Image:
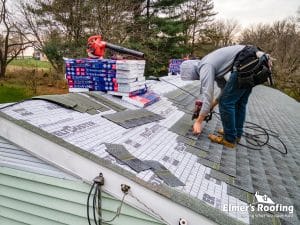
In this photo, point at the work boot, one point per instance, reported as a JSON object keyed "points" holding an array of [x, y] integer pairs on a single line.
{"points": [[221, 131], [221, 140]]}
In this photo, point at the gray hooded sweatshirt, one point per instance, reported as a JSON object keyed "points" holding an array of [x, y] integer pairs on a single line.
{"points": [[213, 67]]}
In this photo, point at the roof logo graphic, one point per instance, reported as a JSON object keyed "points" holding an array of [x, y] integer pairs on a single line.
{"points": [[264, 199]]}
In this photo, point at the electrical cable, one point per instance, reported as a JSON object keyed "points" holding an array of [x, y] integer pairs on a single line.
{"points": [[94, 205], [253, 140], [96, 188], [97, 202], [118, 211], [147, 207], [88, 203]]}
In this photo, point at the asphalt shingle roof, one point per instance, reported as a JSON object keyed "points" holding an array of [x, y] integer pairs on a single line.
{"points": [[207, 172], [246, 170]]}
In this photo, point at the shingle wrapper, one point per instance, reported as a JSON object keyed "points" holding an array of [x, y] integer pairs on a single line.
{"points": [[133, 118], [121, 153], [76, 102]]}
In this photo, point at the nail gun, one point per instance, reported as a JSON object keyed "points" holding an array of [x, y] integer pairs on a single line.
{"points": [[197, 109], [96, 48]]}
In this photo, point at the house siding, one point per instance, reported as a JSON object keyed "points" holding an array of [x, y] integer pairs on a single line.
{"points": [[27, 198]]}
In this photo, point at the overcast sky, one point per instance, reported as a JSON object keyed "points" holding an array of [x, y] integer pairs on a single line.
{"points": [[248, 12]]}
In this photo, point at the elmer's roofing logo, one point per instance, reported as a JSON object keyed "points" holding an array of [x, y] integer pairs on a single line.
{"points": [[263, 203], [264, 199]]}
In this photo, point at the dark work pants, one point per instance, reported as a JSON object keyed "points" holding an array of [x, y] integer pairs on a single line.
{"points": [[232, 106]]}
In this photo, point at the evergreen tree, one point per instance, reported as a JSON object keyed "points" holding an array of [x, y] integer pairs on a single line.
{"points": [[198, 14], [158, 32]]}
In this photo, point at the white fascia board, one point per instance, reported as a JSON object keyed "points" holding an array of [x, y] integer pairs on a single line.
{"points": [[87, 170]]}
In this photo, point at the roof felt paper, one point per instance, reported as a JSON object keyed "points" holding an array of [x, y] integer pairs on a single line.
{"points": [[162, 152]]}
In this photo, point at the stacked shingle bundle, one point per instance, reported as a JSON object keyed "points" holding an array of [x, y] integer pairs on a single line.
{"points": [[91, 74], [174, 66], [119, 77], [103, 73], [130, 78], [76, 74]]}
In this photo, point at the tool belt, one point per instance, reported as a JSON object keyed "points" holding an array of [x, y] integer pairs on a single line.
{"points": [[250, 69]]}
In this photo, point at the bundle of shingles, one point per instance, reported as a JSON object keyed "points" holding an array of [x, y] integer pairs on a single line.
{"points": [[119, 77], [123, 78], [130, 78]]}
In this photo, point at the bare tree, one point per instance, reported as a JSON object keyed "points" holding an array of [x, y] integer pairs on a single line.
{"points": [[61, 27], [222, 32], [12, 40], [282, 41], [259, 35], [287, 44], [112, 18], [30, 24]]}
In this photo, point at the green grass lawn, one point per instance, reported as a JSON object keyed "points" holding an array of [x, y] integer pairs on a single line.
{"points": [[30, 63], [12, 94]]}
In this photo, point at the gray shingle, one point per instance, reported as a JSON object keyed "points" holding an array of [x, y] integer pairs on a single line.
{"points": [[76, 102], [133, 118], [163, 173], [106, 101], [120, 152]]}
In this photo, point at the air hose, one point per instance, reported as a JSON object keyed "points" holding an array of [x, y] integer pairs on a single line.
{"points": [[253, 140]]}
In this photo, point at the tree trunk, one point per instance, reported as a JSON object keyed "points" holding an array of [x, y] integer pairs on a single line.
{"points": [[148, 9], [148, 14], [2, 70]]}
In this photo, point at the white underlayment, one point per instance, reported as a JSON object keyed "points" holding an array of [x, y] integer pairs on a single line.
{"points": [[151, 141]]}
